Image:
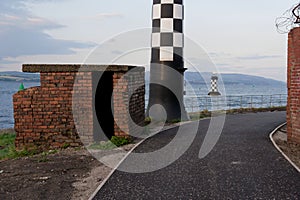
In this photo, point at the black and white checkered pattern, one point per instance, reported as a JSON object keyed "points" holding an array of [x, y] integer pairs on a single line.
{"points": [[167, 33], [214, 85]]}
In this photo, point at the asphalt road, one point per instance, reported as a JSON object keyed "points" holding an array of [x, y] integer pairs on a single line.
{"points": [[243, 165]]}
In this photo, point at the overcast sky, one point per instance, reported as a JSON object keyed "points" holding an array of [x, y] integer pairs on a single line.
{"points": [[238, 36]]}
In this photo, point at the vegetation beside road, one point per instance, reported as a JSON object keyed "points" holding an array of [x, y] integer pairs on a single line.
{"points": [[205, 113], [7, 147]]}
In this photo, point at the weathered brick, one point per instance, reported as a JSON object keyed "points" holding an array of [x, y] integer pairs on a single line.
{"points": [[293, 72], [44, 115]]}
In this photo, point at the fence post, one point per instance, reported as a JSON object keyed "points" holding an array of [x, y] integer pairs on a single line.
{"points": [[280, 104], [193, 105], [241, 105]]}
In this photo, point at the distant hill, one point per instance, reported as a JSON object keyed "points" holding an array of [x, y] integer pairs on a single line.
{"points": [[191, 77], [249, 80], [203, 78], [19, 76]]}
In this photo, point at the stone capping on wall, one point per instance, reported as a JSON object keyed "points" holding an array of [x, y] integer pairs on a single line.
{"points": [[37, 68]]}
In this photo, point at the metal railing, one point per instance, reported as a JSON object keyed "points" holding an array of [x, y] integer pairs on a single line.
{"points": [[199, 103]]}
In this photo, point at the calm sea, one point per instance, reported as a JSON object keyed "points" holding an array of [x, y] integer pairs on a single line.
{"points": [[7, 89]]}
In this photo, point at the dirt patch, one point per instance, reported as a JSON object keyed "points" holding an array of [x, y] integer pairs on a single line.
{"points": [[69, 174], [292, 150]]}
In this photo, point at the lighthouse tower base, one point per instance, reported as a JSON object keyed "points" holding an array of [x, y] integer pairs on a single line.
{"points": [[166, 94]]}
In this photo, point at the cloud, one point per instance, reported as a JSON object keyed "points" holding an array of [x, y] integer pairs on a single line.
{"points": [[219, 54], [7, 62], [18, 41], [22, 33], [101, 16], [117, 52]]}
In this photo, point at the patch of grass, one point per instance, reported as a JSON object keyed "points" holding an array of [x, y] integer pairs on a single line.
{"points": [[120, 141], [112, 144], [6, 145], [102, 146], [7, 148], [247, 110], [65, 146], [205, 113], [200, 115], [43, 157], [11, 153], [52, 152]]}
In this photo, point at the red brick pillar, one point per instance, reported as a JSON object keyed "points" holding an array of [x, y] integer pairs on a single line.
{"points": [[24, 121], [293, 108]]}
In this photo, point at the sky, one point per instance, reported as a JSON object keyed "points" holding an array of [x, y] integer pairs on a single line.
{"points": [[235, 36]]}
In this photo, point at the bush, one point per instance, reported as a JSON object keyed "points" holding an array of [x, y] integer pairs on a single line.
{"points": [[120, 141]]}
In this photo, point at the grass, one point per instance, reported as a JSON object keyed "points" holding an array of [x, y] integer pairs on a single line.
{"points": [[120, 141], [200, 115], [112, 144], [44, 156], [6, 145], [7, 148], [8, 151], [205, 113], [65, 146], [102, 146]]}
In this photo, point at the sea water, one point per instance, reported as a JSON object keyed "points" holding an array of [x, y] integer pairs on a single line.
{"points": [[8, 88]]}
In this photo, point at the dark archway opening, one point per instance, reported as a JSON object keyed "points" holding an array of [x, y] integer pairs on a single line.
{"points": [[103, 106]]}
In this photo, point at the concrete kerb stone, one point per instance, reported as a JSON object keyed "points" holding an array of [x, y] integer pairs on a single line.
{"points": [[278, 148]]}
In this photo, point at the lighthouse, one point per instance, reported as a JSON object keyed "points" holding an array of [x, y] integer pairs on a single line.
{"points": [[167, 65], [214, 86]]}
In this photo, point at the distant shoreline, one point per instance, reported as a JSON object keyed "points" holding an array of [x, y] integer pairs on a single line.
{"points": [[7, 130]]}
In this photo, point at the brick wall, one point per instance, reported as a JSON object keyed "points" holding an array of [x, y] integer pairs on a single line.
{"points": [[60, 111], [82, 104], [293, 108], [47, 109], [129, 100]]}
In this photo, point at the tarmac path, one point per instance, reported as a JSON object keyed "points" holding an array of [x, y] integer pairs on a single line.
{"points": [[243, 165]]}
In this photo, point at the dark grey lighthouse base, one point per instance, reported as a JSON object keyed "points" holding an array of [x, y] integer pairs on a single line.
{"points": [[166, 90]]}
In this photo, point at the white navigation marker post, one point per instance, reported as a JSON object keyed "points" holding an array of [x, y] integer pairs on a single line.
{"points": [[214, 86]]}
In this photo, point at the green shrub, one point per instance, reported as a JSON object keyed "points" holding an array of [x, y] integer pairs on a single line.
{"points": [[120, 141], [148, 120]]}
